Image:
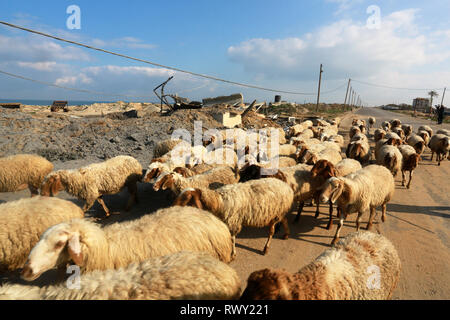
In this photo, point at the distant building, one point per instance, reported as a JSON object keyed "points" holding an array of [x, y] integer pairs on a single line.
{"points": [[421, 104]]}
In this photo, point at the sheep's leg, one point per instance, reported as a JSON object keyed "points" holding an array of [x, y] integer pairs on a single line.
{"points": [[330, 221], [341, 223], [286, 228], [299, 212], [410, 178], [358, 220], [271, 232], [34, 191], [132, 189], [371, 217], [438, 158], [403, 178], [383, 212], [88, 204], [233, 250], [432, 154], [317, 209], [100, 200]]}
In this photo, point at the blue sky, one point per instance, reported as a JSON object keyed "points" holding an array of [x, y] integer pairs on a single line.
{"points": [[276, 44]]}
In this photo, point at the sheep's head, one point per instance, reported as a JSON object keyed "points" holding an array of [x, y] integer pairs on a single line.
{"points": [[51, 186], [57, 245], [267, 284], [154, 170], [323, 168], [354, 130], [419, 147], [301, 149], [355, 151], [189, 197], [379, 134], [165, 181], [181, 171], [311, 158], [332, 189], [249, 172]]}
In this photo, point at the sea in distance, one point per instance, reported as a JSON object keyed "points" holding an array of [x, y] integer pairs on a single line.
{"points": [[50, 102]]}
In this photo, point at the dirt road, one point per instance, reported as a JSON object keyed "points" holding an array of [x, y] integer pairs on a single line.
{"points": [[418, 224]]}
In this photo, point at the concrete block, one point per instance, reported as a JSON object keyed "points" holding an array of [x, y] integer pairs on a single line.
{"points": [[227, 119], [237, 98]]}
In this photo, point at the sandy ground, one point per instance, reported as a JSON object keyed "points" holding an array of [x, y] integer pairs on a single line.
{"points": [[417, 224]]}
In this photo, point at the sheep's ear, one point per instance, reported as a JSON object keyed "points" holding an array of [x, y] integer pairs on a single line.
{"points": [[337, 192], [74, 249], [331, 170], [55, 186], [197, 198], [152, 174]]}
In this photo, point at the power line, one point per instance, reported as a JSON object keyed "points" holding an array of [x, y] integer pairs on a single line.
{"points": [[68, 88], [154, 63], [389, 87]]}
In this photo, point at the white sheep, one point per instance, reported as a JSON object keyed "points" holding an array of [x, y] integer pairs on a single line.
{"points": [[390, 157], [20, 171], [392, 135], [23, 222], [165, 146], [427, 129], [197, 169], [338, 139], [360, 136], [417, 142], [372, 121], [298, 177], [326, 154], [343, 272], [378, 134], [182, 275], [91, 182], [399, 131], [323, 170], [305, 152], [407, 129], [444, 132], [395, 123], [358, 150], [214, 178], [117, 245], [256, 203], [410, 161], [439, 144], [354, 130], [424, 135], [361, 191], [386, 125]]}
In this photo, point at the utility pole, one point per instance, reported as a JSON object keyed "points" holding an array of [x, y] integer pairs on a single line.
{"points": [[346, 92], [442, 100], [318, 91]]}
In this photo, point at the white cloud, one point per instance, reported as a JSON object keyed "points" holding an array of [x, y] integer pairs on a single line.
{"points": [[48, 66], [346, 48], [73, 80], [34, 49]]}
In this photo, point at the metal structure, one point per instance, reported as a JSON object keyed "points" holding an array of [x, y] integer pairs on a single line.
{"points": [[179, 102]]}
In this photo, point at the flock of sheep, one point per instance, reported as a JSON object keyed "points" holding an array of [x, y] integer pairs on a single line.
{"points": [[182, 252]]}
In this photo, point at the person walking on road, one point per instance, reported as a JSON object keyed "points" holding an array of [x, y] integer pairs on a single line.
{"points": [[440, 113]]}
